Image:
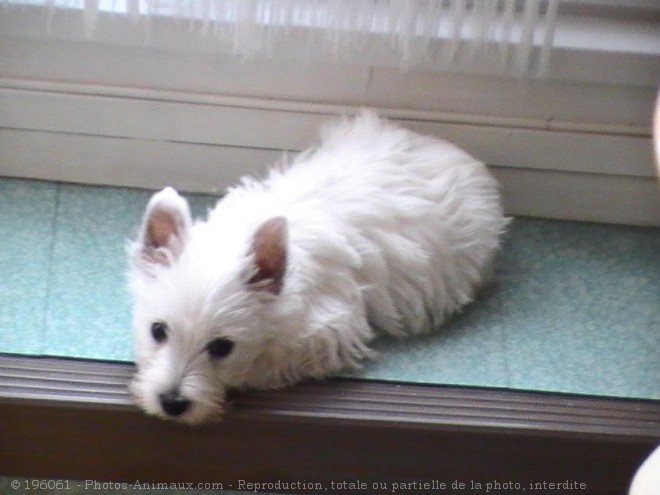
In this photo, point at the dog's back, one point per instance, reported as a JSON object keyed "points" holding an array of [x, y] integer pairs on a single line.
{"points": [[407, 224]]}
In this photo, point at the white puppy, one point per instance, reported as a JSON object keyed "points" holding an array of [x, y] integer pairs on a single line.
{"points": [[376, 228]]}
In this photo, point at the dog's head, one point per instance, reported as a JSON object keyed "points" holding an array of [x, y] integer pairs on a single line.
{"points": [[200, 299]]}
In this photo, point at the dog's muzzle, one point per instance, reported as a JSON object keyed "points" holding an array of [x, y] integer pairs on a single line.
{"points": [[173, 403]]}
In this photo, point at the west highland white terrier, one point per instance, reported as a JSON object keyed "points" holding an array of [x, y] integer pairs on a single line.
{"points": [[375, 228]]}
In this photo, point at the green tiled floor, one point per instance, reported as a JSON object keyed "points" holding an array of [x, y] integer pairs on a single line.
{"points": [[27, 216], [576, 307]]}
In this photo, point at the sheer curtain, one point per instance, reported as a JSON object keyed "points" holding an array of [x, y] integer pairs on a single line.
{"points": [[510, 37]]}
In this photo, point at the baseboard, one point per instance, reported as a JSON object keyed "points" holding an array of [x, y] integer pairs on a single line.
{"points": [[204, 143]]}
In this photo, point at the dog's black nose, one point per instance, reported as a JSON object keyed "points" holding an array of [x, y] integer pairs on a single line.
{"points": [[173, 403]]}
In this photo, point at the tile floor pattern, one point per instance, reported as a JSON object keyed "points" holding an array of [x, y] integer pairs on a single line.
{"points": [[576, 306]]}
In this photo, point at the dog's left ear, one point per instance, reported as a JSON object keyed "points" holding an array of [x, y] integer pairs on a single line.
{"points": [[164, 230], [269, 248]]}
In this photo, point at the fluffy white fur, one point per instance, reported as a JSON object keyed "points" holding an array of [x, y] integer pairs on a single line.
{"points": [[380, 228]]}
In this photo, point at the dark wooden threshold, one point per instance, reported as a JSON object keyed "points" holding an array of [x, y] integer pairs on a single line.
{"points": [[74, 420]]}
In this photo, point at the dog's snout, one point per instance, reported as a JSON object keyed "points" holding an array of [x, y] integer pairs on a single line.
{"points": [[173, 403]]}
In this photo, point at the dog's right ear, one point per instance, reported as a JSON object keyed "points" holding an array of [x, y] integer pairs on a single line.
{"points": [[164, 231]]}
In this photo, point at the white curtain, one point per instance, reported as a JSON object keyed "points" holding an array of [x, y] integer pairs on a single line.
{"points": [[509, 37]]}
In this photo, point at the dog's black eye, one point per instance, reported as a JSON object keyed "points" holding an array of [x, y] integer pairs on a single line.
{"points": [[219, 347], [159, 331]]}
